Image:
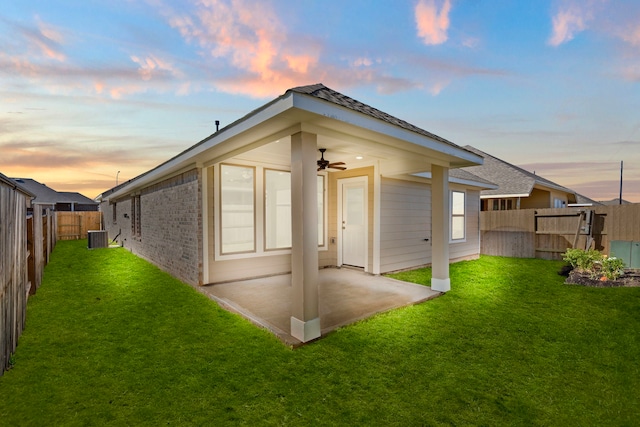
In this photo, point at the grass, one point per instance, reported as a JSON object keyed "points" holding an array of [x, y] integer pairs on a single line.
{"points": [[111, 340]]}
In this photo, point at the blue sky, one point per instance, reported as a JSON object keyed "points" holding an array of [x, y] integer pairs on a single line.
{"points": [[90, 88]]}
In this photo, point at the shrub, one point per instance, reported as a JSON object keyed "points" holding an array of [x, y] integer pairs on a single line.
{"points": [[594, 263], [581, 260]]}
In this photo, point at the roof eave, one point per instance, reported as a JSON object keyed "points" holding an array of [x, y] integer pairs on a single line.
{"points": [[185, 158], [461, 156]]}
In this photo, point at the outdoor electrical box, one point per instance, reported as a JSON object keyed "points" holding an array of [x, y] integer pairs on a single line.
{"points": [[629, 252]]}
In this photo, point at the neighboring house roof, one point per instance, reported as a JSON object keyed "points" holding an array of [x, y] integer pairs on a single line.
{"points": [[15, 185], [75, 197], [48, 196], [615, 201], [512, 180], [322, 110], [462, 176], [584, 200]]}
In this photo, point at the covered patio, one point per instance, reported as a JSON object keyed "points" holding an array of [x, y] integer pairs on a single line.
{"points": [[345, 296]]}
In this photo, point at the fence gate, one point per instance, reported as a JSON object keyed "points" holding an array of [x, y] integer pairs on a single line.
{"points": [[557, 232]]}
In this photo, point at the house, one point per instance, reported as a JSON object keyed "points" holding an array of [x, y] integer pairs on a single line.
{"points": [[48, 198], [516, 187], [259, 198]]}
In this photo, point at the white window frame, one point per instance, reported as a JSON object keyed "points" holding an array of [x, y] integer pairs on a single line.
{"points": [[259, 213], [452, 215]]}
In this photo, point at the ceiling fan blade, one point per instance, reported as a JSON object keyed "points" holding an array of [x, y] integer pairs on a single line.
{"points": [[337, 164], [338, 167]]}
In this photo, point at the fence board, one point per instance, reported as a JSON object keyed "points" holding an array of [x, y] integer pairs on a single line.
{"points": [[75, 225], [513, 233], [25, 245], [13, 270]]}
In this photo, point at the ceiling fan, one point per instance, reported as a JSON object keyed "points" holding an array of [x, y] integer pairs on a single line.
{"points": [[324, 164]]}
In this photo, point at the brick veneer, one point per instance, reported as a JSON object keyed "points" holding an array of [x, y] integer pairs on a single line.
{"points": [[171, 225]]}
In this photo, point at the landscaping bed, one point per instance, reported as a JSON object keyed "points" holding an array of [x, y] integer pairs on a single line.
{"points": [[630, 278]]}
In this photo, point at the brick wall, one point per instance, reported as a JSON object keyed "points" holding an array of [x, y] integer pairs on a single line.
{"points": [[170, 222]]}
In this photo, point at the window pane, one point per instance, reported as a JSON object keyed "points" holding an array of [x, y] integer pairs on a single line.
{"points": [[457, 228], [277, 209], [457, 203], [320, 210], [237, 209], [457, 215]]}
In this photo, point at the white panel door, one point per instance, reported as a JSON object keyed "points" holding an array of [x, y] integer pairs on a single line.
{"points": [[354, 223]]}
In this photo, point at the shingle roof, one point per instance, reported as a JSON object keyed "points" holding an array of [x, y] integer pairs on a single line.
{"points": [[15, 185], [511, 179], [322, 92], [74, 197], [49, 196], [613, 202], [468, 176], [584, 200]]}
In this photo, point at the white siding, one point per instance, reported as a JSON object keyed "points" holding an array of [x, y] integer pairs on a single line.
{"points": [[405, 221]]}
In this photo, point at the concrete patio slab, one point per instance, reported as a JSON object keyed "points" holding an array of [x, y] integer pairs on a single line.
{"points": [[345, 296]]}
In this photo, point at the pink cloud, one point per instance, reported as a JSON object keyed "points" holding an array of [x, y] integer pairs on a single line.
{"points": [[432, 22], [151, 65], [575, 16], [568, 21], [254, 40]]}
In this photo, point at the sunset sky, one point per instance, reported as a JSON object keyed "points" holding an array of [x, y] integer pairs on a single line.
{"points": [[89, 88]]}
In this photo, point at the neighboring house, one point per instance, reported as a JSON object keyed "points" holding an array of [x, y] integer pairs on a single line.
{"points": [[516, 187], [48, 198], [253, 200]]}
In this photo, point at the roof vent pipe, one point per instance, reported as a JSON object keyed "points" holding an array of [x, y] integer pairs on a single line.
{"points": [[217, 125]]}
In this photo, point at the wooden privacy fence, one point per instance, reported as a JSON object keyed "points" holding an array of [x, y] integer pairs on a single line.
{"points": [[75, 225], [547, 233], [41, 239]]}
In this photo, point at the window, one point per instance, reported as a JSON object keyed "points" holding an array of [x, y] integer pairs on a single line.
{"points": [[255, 210], [457, 215], [114, 212], [237, 209], [277, 209], [559, 203], [135, 216]]}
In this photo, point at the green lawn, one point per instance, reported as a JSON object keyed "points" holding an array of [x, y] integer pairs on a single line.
{"points": [[110, 339]]}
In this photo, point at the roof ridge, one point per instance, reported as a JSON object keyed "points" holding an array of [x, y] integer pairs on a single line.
{"points": [[320, 91]]}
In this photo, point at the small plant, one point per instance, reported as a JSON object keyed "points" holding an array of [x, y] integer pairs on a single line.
{"points": [[12, 360], [612, 267], [595, 264], [581, 260]]}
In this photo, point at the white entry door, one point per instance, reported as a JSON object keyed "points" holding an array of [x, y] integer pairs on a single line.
{"points": [[353, 218]]}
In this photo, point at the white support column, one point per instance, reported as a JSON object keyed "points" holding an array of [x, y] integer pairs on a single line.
{"points": [[205, 225], [305, 317], [440, 212], [377, 184]]}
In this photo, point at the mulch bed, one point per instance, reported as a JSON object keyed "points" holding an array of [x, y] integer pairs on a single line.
{"points": [[629, 279]]}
